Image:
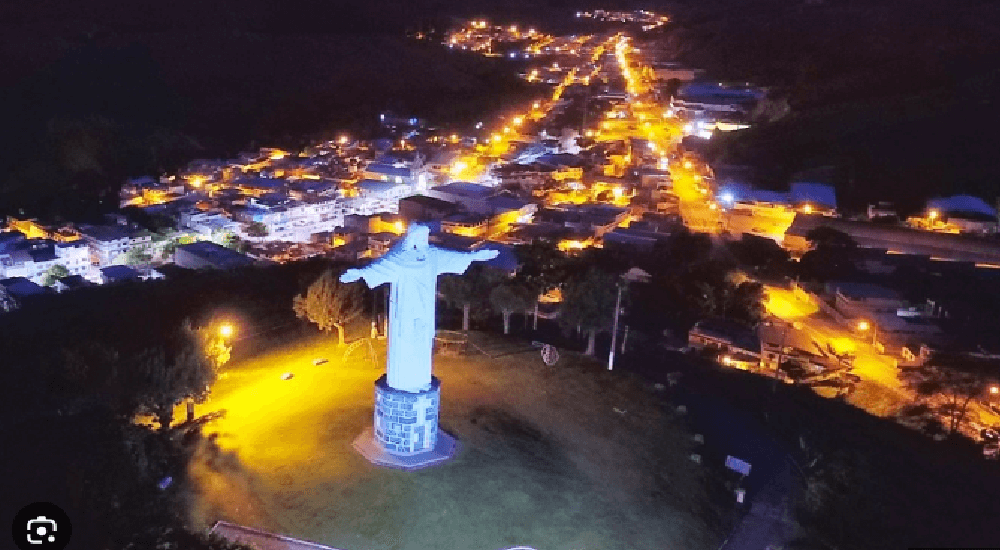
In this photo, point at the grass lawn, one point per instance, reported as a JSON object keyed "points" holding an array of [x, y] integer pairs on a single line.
{"points": [[563, 457]]}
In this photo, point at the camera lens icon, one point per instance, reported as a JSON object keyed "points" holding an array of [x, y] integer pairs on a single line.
{"points": [[41, 526], [42, 530]]}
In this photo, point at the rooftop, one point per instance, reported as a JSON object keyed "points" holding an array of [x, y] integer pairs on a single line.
{"points": [[19, 286], [466, 189], [865, 291], [219, 256], [962, 204], [388, 170], [376, 186], [119, 272], [105, 233], [740, 335], [815, 193]]}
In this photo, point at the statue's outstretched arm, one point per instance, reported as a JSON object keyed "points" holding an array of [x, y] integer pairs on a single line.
{"points": [[453, 261], [374, 274]]}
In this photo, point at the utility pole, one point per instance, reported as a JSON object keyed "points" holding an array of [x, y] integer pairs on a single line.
{"points": [[614, 328]]}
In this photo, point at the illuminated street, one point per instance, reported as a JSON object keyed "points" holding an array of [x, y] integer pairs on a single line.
{"points": [[808, 328]]}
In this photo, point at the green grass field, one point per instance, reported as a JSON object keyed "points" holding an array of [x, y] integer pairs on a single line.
{"points": [[563, 457]]}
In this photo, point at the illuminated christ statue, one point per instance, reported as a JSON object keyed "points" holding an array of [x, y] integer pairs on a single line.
{"points": [[411, 267]]}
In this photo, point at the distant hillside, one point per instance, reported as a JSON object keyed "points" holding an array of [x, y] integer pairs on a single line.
{"points": [[89, 98], [898, 94]]}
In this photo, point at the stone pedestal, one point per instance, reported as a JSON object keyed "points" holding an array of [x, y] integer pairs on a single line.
{"points": [[406, 434]]}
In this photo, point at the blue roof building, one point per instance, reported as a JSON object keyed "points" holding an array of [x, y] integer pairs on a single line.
{"points": [[819, 195], [19, 287], [962, 204]]}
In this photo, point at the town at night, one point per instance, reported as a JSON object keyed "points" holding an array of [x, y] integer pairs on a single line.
{"points": [[715, 275]]}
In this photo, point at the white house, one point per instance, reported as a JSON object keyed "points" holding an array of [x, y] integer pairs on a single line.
{"points": [[293, 221], [108, 242], [380, 196], [33, 258]]}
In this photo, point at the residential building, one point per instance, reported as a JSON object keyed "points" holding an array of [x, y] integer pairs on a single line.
{"points": [[119, 274], [707, 99], [415, 178], [422, 208], [33, 258], [379, 196], [209, 224], [471, 196], [669, 70], [288, 220], [207, 255], [71, 282], [725, 336], [958, 214], [467, 225], [19, 288], [108, 242]]}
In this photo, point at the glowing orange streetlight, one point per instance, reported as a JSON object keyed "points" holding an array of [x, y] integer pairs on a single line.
{"points": [[226, 330], [932, 215], [863, 325], [994, 389], [807, 209]]}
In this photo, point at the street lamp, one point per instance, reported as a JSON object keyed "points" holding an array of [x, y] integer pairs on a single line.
{"points": [[614, 327], [865, 326], [226, 330]]}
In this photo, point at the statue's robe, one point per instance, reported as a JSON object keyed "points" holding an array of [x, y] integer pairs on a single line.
{"points": [[411, 268]]}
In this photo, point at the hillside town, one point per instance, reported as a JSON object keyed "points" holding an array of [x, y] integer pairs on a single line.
{"points": [[609, 159], [518, 277]]}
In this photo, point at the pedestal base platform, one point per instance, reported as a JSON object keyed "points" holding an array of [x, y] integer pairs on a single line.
{"points": [[369, 446]]}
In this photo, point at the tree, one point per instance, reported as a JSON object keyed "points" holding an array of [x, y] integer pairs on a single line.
{"points": [[959, 388], [329, 303], [162, 376], [168, 249], [218, 351], [233, 242], [543, 266], [469, 291], [7, 302], [672, 86], [138, 255], [589, 304], [509, 298], [54, 273], [255, 229], [746, 302], [832, 255], [761, 253]]}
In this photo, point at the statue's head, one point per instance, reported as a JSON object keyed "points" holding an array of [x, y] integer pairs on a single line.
{"points": [[414, 245]]}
